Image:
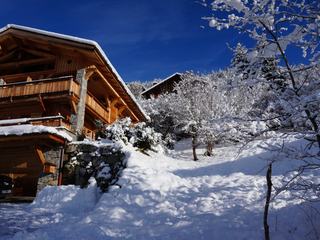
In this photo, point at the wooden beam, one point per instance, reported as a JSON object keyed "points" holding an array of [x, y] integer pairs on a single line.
{"points": [[27, 62], [56, 139], [118, 99], [49, 168], [114, 102], [96, 71], [27, 139], [90, 71], [42, 103], [73, 107], [121, 109], [40, 155], [7, 56], [37, 52], [14, 77]]}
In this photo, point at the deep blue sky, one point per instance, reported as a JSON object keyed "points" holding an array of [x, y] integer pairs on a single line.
{"points": [[144, 39]]}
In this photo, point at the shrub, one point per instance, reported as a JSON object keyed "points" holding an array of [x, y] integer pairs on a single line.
{"points": [[139, 135], [103, 161]]}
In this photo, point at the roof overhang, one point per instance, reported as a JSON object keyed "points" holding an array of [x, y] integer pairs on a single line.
{"points": [[46, 140], [83, 44]]}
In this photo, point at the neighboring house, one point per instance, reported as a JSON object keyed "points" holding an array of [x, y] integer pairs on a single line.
{"points": [[53, 88], [165, 86]]}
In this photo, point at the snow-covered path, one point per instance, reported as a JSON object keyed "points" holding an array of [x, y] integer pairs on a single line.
{"points": [[168, 196], [14, 218], [21, 218]]}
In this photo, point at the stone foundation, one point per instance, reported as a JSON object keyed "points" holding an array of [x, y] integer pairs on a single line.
{"points": [[51, 179], [82, 160], [87, 160]]}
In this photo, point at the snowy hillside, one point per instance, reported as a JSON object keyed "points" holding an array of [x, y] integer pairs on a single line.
{"points": [[169, 196]]}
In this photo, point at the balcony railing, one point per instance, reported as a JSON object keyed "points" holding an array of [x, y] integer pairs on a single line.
{"points": [[36, 87], [53, 86], [50, 121], [95, 106]]}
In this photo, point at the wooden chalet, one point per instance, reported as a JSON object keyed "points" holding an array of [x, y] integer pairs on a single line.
{"points": [[60, 85], [165, 86]]}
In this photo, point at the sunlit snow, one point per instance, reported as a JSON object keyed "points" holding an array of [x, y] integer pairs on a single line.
{"points": [[167, 196]]}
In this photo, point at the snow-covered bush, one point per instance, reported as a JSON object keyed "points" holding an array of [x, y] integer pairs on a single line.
{"points": [[101, 160], [144, 137], [119, 131], [110, 167], [139, 135], [169, 141]]}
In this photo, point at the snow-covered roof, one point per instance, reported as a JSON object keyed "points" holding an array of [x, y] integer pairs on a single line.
{"points": [[27, 129], [13, 121], [83, 41], [17, 121], [162, 81]]}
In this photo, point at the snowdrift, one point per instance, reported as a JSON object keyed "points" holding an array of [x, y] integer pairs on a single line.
{"points": [[169, 196]]}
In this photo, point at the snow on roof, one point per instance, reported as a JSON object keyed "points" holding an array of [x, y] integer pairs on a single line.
{"points": [[25, 129], [162, 81], [16, 121], [83, 41]]}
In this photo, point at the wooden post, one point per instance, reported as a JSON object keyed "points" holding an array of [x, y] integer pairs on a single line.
{"points": [[60, 166], [109, 109], [79, 122]]}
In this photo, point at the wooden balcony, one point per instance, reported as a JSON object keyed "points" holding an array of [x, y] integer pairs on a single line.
{"points": [[36, 87], [59, 121], [54, 86], [55, 121], [50, 121]]}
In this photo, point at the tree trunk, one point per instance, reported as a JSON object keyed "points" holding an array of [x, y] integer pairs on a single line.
{"points": [[266, 206], [209, 149], [194, 146]]}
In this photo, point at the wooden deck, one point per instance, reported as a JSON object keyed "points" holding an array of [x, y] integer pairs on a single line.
{"points": [[54, 86]]}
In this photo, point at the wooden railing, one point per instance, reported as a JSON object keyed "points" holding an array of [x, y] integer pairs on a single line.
{"points": [[36, 87], [89, 133], [97, 107], [55, 86], [57, 121], [52, 86]]}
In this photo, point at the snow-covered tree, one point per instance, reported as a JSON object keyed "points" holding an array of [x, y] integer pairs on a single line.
{"points": [[240, 61], [160, 111], [209, 108], [193, 104], [212, 107], [137, 87], [279, 27], [282, 29]]}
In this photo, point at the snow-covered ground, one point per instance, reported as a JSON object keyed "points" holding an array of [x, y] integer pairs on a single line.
{"points": [[169, 196]]}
